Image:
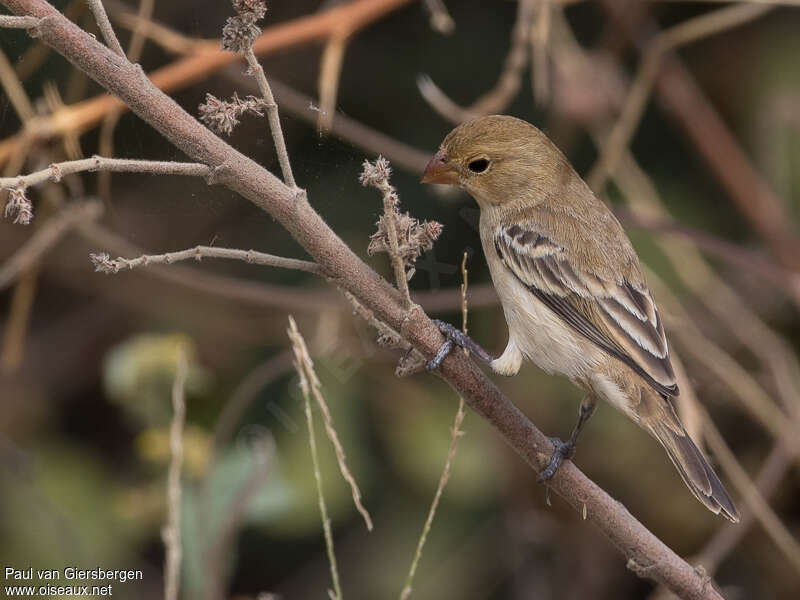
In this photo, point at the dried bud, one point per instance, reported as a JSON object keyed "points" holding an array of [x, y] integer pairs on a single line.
{"points": [[104, 264], [222, 116], [19, 207], [239, 33], [257, 8], [376, 174], [413, 237]]}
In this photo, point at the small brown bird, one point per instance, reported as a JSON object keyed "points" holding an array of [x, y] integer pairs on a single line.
{"points": [[573, 292]]}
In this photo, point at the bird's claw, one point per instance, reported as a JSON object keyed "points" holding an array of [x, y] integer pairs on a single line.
{"points": [[561, 451], [454, 337]]}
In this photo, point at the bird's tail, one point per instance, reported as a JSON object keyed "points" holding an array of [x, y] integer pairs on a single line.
{"points": [[695, 471]]}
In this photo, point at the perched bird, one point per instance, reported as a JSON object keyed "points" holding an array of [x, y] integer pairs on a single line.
{"points": [[573, 292]]}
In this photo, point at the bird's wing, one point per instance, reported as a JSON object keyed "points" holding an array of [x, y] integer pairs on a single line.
{"points": [[618, 316]]}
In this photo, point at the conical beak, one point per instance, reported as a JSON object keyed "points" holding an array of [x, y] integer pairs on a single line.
{"points": [[438, 171]]}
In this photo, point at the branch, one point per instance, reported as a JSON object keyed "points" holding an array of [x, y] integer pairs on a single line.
{"points": [[104, 25], [57, 171], [244, 176], [105, 264]]}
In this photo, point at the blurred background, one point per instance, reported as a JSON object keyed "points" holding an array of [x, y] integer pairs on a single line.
{"points": [[683, 115]]}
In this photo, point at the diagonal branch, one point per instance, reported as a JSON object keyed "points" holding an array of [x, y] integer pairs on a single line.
{"points": [[644, 552]]}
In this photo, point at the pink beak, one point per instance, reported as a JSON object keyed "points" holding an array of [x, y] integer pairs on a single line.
{"points": [[438, 171]]}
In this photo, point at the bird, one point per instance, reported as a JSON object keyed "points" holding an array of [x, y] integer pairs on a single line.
{"points": [[573, 292]]}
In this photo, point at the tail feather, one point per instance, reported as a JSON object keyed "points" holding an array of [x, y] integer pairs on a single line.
{"points": [[695, 471]]}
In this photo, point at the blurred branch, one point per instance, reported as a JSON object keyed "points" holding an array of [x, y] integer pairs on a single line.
{"points": [[685, 101], [47, 236], [172, 531], [508, 84], [643, 550], [216, 555], [14, 91], [725, 540], [440, 19], [762, 511], [350, 130], [141, 24], [707, 24], [329, 73], [242, 397], [723, 367]]}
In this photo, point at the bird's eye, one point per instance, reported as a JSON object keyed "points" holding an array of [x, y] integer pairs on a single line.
{"points": [[479, 165]]}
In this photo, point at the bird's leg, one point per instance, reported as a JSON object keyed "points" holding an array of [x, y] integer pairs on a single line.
{"points": [[567, 449], [455, 337]]}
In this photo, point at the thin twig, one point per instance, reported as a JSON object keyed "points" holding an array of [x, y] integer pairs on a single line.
{"points": [[231, 288], [273, 117], [99, 163], [456, 434], [172, 531], [302, 355], [104, 24], [298, 348], [105, 264]]}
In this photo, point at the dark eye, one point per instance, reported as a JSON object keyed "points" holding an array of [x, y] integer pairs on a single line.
{"points": [[479, 165]]}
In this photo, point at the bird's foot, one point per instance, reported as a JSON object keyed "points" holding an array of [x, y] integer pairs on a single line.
{"points": [[455, 337], [561, 451]]}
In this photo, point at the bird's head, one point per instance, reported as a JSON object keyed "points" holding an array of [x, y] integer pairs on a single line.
{"points": [[497, 159]]}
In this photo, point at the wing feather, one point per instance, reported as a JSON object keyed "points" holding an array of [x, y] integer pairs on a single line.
{"points": [[618, 316]]}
